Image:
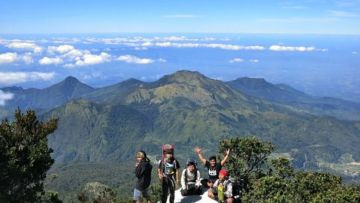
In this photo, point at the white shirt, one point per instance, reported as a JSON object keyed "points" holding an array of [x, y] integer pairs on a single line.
{"points": [[190, 176]]}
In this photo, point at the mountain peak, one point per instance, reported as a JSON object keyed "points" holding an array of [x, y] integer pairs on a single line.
{"points": [[187, 74], [70, 87], [131, 81], [184, 76], [253, 82], [70, 80]]}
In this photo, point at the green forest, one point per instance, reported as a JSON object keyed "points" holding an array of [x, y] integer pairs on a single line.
{"points": [[26, 159]]}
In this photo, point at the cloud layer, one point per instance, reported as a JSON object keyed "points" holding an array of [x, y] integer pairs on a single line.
{"points": [[10, 78], [5, 96], [291, 48], [12, 57], [135, 60], [23, 45], [50, 61], [8, 57]]}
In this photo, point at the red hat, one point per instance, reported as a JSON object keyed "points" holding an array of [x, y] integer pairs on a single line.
{"points": [[224, 172]]}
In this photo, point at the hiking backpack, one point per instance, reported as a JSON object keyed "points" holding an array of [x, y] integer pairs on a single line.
{"points": [[236, 189]]}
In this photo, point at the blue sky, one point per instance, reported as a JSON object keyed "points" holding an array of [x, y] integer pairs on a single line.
{"points": [[180, 16]]}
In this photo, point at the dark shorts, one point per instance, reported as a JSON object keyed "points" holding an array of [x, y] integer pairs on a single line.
{"points": [[139, 194]]}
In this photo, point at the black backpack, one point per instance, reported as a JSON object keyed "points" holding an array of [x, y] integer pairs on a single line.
{"points": [[236, 189]]}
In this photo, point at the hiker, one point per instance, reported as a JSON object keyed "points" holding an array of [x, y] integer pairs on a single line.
{"points": [[168, 173], [212, 166], [190, 179], [222, 189], [143, 174]]}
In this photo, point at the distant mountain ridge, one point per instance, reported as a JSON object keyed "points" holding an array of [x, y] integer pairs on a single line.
{"points": [[45, 99], [187, 108], [71, 88], [50, 97], [285, 94]]}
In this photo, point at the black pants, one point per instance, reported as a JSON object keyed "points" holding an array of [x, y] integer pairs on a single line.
{"points": [[168, 186], [204, 182], [195, 190]]}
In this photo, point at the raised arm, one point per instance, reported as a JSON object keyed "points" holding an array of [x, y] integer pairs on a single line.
{"points": [[226, 157], [200, 155]]}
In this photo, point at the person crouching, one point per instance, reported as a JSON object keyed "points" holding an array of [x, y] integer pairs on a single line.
{"points": [[222, 188], [190, 180]]}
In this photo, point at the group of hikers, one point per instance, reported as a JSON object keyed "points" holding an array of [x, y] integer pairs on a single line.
{"points": [[218, 185]]}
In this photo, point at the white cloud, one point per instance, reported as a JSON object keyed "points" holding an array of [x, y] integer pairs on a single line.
{"points": [[354, 52], [74, 57], [76, 54], [9, 78], [205, 45], [90, 59], [291, 48], [175, 38], [254, 60], [5, 96], [134, 59], [147, 41], [8, 57], [24, 45], [233, 47], [140, 48], [11, 57], [62, 49], [27, 58], [50, 61], [65, 40], [236, 60]]}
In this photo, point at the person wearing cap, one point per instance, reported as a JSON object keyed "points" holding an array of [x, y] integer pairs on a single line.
{"points": [[190, 179], [222, 188], [143, 174], [212, 165], [168, 173]]}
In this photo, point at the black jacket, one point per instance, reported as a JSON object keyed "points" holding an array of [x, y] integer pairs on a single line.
{"points": [[143, 173]]}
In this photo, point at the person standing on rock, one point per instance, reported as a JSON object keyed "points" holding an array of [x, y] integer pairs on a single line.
{"points": [[143, 174], [168, 173]]}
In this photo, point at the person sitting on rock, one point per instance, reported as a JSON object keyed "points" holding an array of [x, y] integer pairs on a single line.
{"points": [[222, 188], [190, 179]]}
